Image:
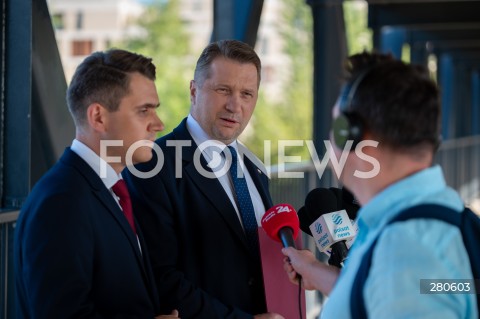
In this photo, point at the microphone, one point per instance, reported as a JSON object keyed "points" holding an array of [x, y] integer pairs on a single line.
{"points": [[281, 224], [305, 220], [332, 226], [346, 200]]}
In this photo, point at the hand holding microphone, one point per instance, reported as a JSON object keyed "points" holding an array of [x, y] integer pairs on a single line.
{"points": [[281, 224], [301, 264]]}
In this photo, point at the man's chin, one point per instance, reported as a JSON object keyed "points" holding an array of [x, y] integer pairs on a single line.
{"points": [[226, 137], [142, 155]]}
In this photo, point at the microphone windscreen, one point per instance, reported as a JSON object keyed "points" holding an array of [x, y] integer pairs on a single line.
{"points": [[305, 221], [346, 200], [320, 201], [350, 204], [279, 216]]}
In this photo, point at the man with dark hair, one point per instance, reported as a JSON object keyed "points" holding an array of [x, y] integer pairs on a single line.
{"points": [[200, 223], [78, 250], [392, 110]]}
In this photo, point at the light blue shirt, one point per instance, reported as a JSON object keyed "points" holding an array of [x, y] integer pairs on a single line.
{"points": [[405, 253]]}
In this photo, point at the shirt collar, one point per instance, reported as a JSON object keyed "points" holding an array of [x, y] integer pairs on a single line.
{"points": [[108, 175], [202, 139], [399, 196]]}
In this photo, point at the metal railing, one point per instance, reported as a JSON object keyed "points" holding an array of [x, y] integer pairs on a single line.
{"points": [[460, 160], [7, 284]]}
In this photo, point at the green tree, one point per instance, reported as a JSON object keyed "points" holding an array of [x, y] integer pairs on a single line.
{"points": [[164, 38], [359, 37], [291, 118]]}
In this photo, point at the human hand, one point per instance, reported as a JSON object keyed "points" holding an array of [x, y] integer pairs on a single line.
{"points": [[174, 314], [298, 262], [314, 274], [291, 273], [268, 315]]}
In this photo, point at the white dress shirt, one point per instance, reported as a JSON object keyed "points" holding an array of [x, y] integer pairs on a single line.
{"points": [[106, 172], [214, 159]]}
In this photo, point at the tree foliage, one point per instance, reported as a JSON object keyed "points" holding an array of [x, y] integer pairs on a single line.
{"points": [[359, 37], [291, 118], [164, 38]]}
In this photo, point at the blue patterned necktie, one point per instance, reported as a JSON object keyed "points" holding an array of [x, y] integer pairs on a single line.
{"points": [[244, 202]]}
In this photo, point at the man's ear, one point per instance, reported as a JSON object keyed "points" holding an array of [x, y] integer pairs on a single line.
{"points": [[96, 117], [193, 91]]}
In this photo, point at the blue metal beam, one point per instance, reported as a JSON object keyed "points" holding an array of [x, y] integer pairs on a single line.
{"points": [[236, 19], [52, 125], [329, 54], [17, 107], [475, 89], [445, 81], [15, 104], [458, 84], [392, 40], [422, 13]]}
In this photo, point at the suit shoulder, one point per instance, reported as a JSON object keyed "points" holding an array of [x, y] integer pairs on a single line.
{"points": [[63, 184]]}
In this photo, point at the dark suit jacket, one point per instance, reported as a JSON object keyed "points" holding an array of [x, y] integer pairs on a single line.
{"points": [[198, 249], [75, 253]]}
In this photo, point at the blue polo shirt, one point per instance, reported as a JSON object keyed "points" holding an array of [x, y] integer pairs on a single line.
{"points": [[405, 253]]}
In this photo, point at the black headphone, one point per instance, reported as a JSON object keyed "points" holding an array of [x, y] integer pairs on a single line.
{"points": [[348, 126]]}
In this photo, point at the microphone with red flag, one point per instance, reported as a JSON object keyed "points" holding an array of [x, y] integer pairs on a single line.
{"points": [[281, 224]]}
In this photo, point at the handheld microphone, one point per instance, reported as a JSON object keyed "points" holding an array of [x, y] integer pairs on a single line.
{"points": [[281, 224], [346, 200], [305, 220], [332, 227], [342, 199]]}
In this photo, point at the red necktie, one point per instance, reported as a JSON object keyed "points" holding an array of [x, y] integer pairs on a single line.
{"points": [[120, 189]]}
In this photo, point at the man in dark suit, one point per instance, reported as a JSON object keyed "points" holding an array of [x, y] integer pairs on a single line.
{"points": [[78, 251], [201, 230]]}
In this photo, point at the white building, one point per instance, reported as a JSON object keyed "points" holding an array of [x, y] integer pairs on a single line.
{"points": [[85, 26], [82, 27]]}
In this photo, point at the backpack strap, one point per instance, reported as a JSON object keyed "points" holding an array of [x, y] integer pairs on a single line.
{"points": [[443, 213]]}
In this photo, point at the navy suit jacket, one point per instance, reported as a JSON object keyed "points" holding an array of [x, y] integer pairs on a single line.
{"points": [[75, 253], [198, 249]]}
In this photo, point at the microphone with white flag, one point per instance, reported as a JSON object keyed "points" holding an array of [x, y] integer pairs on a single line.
{"points": [[331, 228]]}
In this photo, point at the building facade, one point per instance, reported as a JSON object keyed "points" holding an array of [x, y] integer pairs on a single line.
{"points": [[82, 27]]}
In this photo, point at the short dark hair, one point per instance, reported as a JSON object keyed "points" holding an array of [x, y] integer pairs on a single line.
{"points": [[230, 49], [103, 77], [398, 103]]}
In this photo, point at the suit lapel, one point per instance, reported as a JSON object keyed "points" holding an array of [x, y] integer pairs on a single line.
{"points": [[105, 197], [260, 180], [209, 187]]}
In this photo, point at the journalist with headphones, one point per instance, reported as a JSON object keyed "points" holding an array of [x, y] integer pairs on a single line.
{"points": [[397, 105]]}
